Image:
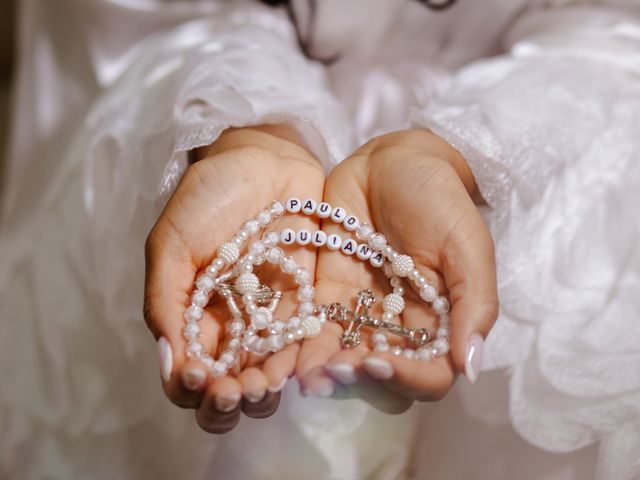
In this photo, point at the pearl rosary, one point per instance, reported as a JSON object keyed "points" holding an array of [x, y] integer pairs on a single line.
{"points": [[253, 325]]}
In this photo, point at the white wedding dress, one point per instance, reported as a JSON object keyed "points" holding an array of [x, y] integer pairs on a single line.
{"points": [[542, 98]]}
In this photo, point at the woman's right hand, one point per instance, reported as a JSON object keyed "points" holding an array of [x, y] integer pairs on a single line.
{"points": [[235, 177]]}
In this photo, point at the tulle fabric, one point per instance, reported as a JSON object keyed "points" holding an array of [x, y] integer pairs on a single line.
{"points": [[549, 129]]}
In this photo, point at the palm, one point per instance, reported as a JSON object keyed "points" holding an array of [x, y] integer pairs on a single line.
{"points": [[425, 213], [216, 196]]}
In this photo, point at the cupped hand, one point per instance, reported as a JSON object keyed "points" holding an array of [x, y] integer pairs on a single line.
{"points": [[235, 177], [418, 191]]}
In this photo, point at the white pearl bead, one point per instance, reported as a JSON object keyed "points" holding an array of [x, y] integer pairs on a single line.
{"points": [[389, 252], [397, 351], [276, 327], [402, 265], [303, 237], [257, 248], [275, 343], [247, 283], [399, 290], [428, 293], [218, 264], [228, 357], [306, 293], [293, 205], [409, 353], [309, 206], [275, 255], [263, 218], [319, 238], [306, 308], [381, 347], [205, 283], [351, 223], [219, 369], [349, 246], [420, 281], [312, 326], [191, 331], [393, 303], [413, 274], [207, 360], [387, 317], [248, 298], [303, 276], [293, 323], [338, 214], [194, 349], [251, 307], [236, 328], [289, 265], [276, 208], [442, 332], [237, 241], [377, 241], [288, 236], [193, 314], [380, 337], [229, 252], [440, 305], [323, 210], [289, 337], [440, 346], [271, 239], [212, 271], [364, 232], [199, 298], [234, 344], [300, 333], [363, 252], [260, 319], [252, 227], [334, 242], [424, 353], [377, 260]]}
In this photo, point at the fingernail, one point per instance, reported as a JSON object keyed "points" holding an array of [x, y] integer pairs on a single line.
{"points": [[344, 373], [228, 402], [279, 387], [378, 368], [193, 377], [320, 389], [254, 397], [473, 357], [165, 357]]}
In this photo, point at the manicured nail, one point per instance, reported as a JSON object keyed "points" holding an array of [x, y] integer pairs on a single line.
{"points": [[227, 402], [279, 387], [323, 389], [193, 377], [344, 373], [165, 357], [473, 357], [254, 397], [378, 368]]}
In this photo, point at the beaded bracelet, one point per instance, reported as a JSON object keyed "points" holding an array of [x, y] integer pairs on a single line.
{"points": [[253, 325]]}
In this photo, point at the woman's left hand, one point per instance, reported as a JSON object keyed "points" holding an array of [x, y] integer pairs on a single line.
{"points": [[418, 191]]}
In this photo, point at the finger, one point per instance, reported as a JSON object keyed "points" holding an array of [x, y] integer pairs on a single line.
{"points": [[264, 408], [280, 366], [416, 379], [254, 385], [470, 274], [220, 409]]}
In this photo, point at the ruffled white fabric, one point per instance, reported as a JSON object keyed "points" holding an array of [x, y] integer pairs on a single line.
{"points": [[550, 131]]}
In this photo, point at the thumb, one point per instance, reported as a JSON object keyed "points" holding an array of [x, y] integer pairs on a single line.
{"points": [[470, 275]]}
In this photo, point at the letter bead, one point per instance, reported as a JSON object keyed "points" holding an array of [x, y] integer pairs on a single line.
{"points": [[377, 260], [334, 242], [293, 205], [349, 246], [303, 237], [309, 207], [351, 223], [323, 210], [363, 252], [319, 238], [338, 214], [287, 237]]}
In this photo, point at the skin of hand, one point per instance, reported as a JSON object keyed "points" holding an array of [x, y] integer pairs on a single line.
{"points": [[419, 192], [233, 179]]}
